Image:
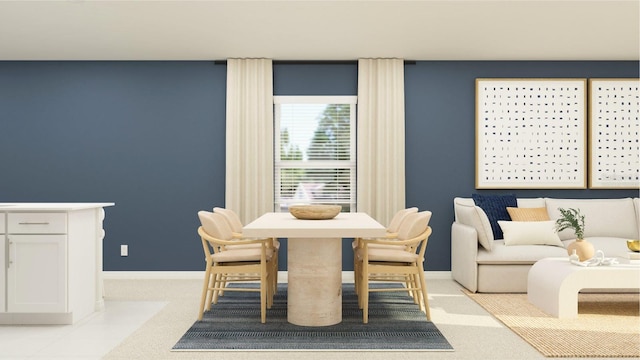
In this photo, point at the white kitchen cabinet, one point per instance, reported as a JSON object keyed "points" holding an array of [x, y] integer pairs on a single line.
{"points": [[42, 290], [50, 262], [3, 268]]}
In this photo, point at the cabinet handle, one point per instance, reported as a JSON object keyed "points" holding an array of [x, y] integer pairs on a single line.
{"points": [[33, 223], [10, 252]]}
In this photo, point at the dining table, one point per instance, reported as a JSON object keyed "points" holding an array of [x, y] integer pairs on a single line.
{"points": [[314, 260]]}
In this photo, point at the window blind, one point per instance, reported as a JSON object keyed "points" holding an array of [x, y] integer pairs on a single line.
{"points": [[315, 151]]}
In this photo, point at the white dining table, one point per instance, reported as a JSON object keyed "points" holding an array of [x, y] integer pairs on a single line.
{"points": [[314, 260]]}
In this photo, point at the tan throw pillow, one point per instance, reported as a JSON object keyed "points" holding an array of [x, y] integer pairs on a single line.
{"points": [[528, 214]]}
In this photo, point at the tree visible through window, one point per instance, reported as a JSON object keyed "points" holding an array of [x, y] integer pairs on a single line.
{"points": [[315, 151]]}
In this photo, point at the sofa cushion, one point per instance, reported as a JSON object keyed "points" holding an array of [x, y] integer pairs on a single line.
{"points": [[495, 206], [475, 217], [603, 217], [636, 205], [528, 214], [611, 247], [467, 213], [531, 202], [523, 254], [529, 233]]}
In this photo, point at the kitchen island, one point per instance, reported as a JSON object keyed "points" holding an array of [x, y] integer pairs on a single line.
{"points": [[50, 262]]}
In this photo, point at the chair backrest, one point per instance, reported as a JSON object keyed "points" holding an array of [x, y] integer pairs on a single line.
{"points": [[215, 225], [231, 217], [414, 225], [399, 217], [417, 227]]}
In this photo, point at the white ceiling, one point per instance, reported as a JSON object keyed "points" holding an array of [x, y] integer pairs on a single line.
{"points": [[320, 30]]}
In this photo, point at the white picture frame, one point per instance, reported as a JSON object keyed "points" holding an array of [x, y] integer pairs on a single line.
{"points": [[614, 133], [531, 133]]}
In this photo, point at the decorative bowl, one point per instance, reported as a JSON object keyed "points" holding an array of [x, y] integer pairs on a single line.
{"points": [[315, 212], [633, 245]]}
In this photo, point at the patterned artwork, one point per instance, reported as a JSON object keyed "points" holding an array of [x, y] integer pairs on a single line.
{"points": [[614, 125], [531, 133]]}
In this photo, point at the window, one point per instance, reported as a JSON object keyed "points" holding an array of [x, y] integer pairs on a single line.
{"points": [[315, 151]]}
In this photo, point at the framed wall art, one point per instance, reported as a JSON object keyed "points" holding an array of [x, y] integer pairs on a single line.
{"points": [[614, 130], [531, 133]]}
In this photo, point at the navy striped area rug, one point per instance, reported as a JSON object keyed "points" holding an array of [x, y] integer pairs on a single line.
{"points": [[395, 323]]}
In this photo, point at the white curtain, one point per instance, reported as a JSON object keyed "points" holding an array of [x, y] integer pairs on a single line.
{"points": [[381, 178], [249, 138]]}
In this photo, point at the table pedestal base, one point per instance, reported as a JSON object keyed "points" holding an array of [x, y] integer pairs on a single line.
{"points": [[314, 291]]}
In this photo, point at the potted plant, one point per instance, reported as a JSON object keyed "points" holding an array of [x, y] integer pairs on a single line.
{"points": [[572, 219]]}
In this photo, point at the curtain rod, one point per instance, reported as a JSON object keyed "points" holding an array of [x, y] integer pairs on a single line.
{"points": [[313, 62]]}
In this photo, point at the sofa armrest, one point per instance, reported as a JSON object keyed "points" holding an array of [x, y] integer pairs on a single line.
{"points": [[464, 254]]}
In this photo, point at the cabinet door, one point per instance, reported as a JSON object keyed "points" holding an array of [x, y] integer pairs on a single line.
{"points": [[3, 272], [3, 264], [37, 273]]}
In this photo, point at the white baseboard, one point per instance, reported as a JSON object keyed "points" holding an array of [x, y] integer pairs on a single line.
{"points": [[347, 276], [150, 275]]}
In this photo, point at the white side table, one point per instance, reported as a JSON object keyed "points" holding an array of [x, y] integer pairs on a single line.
{"points": [[554, 283]]}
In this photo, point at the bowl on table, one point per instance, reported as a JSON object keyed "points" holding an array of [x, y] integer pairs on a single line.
{"points": [[315, 212], [633, 245]]}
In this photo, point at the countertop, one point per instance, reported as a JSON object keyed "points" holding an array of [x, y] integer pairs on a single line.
{"points": [[51, 206]]}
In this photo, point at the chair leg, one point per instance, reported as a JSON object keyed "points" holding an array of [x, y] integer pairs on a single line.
{"points": [[361, 281], [364, 295], [425, 297], [271, 289], [205, 291], [216, 282], [211, 294], [274, 277], [415, 294], [275, 273], [408, 283], [355, 271], [264, 288]]}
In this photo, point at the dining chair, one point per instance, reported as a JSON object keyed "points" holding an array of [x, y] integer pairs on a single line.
{"points": [[392, 233], [232, 219], [234, 222], [395, 260], [226, 265]]}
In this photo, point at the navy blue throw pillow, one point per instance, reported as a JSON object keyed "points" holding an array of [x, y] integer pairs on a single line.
{"points": [[495, 206]]}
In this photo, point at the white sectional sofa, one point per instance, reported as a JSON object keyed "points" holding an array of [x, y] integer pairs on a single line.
{"points": [[483, 264]]}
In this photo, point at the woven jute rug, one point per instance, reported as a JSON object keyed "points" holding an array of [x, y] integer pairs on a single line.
{"points": [[608, 325]]}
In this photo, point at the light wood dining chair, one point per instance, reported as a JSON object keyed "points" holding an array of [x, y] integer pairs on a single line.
{"points": [[234, 222], [392, 233], [232, 219], [397, 260], [226, 265]]}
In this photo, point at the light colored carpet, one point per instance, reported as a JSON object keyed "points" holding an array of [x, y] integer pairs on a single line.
{"points": [[608, 325], [473, 333]]}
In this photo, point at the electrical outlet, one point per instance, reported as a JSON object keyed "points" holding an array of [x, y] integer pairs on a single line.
{"points": [[124, 250]]}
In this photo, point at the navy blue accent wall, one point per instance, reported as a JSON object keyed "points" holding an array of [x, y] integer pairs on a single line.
{"points": [[315, 79], [150, 136]]}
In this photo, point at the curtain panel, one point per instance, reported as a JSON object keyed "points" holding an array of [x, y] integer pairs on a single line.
{"points": [[381, 134], [249, 138]]}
